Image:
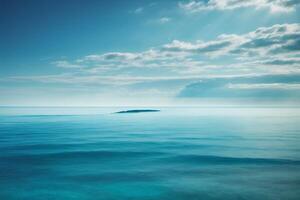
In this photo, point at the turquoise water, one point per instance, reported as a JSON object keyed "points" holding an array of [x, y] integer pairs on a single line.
{"points": [[178, 153]]}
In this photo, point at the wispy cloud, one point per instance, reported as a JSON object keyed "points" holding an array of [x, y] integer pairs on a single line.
{"points": [[164, 20], [138, 10], [149, 58], [273, 5], [118, 80], [273, 86], [65, 64]]}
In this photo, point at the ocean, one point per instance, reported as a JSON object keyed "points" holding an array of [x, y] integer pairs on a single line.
{"points": [[62, 153]]}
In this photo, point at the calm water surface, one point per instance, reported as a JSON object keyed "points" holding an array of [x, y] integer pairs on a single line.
{"points": [[178, 153]]}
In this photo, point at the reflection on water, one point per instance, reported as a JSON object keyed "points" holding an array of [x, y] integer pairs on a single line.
{"points": [[178, 153]]}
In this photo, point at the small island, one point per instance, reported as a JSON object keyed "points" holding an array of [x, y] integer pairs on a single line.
{"points": [[137, 111]]}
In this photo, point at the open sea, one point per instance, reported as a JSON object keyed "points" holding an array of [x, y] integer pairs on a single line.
{"points": [[63, 153]]}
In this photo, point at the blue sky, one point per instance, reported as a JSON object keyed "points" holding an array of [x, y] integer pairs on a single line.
{"points": [[148, 52]]}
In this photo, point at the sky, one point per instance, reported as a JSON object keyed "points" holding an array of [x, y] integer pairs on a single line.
{"points": [[147, 52]]}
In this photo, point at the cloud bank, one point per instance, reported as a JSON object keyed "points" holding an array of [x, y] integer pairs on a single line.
{"points": [[261, 63], [266, 50]]}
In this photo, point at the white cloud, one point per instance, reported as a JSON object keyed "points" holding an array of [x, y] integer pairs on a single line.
{"points": [[138, 10], [272, 5], [113, 56], [164, 20], [99, 79], [266, 50], [211, 48], [145, 59], [274, 40], [282, 86], [65, 64]]}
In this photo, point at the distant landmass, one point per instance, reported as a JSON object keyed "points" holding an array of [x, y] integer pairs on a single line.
{"points": [[137, 111]]}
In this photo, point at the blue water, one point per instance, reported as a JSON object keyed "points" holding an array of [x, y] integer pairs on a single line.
{"points": [[178, 153]]}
